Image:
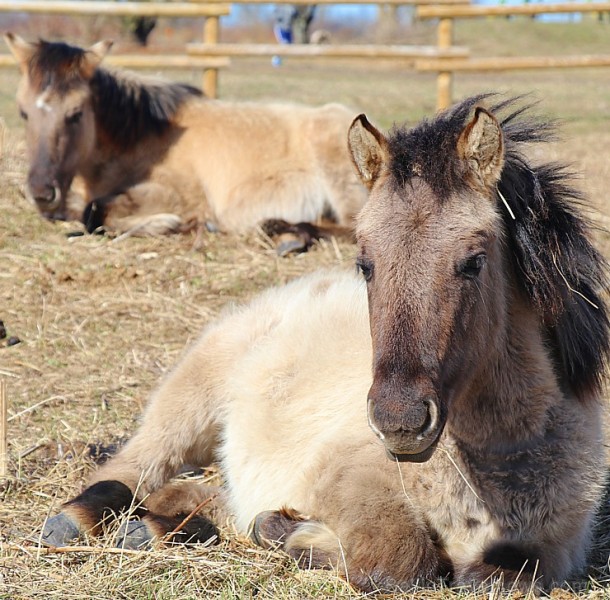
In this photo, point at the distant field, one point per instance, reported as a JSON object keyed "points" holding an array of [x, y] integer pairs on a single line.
{"points": [[100, 322]]}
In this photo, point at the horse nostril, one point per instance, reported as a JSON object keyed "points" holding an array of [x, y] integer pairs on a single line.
{"points": [[431, 423], [46, 196], [418, 419]]}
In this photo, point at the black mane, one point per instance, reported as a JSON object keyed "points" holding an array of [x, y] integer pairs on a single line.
{"points": [[127, 107], [549, 239]]}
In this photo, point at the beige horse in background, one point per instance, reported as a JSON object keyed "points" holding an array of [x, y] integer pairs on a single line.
{"points": [[125, 152], [437, 416]]}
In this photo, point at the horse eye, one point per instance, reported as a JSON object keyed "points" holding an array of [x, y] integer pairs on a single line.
{"points": [[74, 118], [23, 114], [365, 267], [472, 266]]}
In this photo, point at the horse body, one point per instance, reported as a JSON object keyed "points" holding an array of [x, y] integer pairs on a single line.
{"points": [[153, 156], [295, 166], [472, 448]]}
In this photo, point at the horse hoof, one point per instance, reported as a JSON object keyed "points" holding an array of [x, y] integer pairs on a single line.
{"points": [[290, 247], [211, 227], [59, 531], [134, 535], [271, 528]]}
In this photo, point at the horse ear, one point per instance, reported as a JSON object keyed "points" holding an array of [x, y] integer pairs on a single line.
{"points": [[481, 144], [94, 56], [20, 49], [368, 148]]}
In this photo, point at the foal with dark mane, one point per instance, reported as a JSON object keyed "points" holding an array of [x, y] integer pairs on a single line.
{"points": [[132, 153], [448, 426]]}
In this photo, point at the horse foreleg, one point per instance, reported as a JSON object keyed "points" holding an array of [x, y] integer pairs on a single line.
{"points": [[143, 210], [362, 524], [180, 426]]}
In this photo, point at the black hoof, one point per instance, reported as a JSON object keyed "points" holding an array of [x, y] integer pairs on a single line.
{"points": [[271, 528], [59, 531], [134, 535], [294, 246], [273, 227], [211, 227], [94, 215]]}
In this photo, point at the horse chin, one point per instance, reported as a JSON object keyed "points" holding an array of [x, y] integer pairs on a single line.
{"points": [[417, 457], [58, 214], [56, 210]]}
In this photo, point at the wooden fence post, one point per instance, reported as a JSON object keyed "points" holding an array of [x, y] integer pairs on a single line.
{"points": [[3, 430], [444, 79], [211, 29]]}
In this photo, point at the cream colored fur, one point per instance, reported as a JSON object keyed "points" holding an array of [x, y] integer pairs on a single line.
{"points": [[238, 164]]}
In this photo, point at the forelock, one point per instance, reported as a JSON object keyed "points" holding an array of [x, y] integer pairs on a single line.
{"points": [[56, 65]]}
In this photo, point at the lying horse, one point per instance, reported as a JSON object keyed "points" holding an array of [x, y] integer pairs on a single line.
{"points": [[153, 156], [473, 447]]}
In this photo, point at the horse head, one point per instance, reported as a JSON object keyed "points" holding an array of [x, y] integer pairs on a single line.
{"points": [[429, 242], [54, 100]]}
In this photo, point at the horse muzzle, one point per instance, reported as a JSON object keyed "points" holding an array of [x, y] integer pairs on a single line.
{"points": [[408, 435], [49, 201]]}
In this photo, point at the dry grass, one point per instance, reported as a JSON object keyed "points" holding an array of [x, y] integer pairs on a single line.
{"points": [[100, 322]]}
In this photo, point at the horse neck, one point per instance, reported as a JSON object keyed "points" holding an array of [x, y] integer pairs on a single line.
{"points": [[107, 158], [106, 149], [94, 168], [508, 401]]}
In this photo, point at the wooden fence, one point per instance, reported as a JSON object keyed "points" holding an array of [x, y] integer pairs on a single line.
{"points": [[444, 57], [211, 55], [407, 54], [446, 67], [210, 11]]}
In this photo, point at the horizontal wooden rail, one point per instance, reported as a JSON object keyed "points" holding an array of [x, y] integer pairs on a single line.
{"points": [[211, 11], [150, 61], [168, 61], [506, 63], [333, 2], [157, 9], [326, 50], [464, 11]]}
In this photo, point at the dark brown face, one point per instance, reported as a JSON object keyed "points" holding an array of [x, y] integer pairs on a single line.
{"points": [[434, 293], [60, 136], [54, 101], [428, 280]]}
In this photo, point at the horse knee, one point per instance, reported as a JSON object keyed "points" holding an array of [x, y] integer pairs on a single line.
{"points": [[390, 561], [515, 565], [370, 561], [187, 497]]}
